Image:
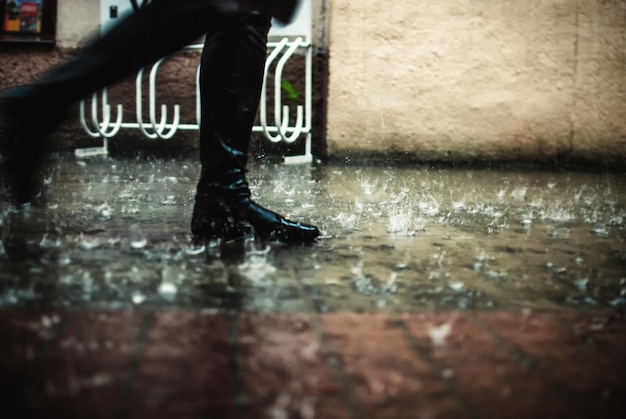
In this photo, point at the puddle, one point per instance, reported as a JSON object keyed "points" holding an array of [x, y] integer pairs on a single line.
{"points": [[114, 234]]}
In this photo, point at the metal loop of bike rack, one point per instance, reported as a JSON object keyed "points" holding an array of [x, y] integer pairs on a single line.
{"points": [[159, 128]]}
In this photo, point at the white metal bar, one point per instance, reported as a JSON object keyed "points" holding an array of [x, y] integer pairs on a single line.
{"points": [[158, 126], [139, 107], [282, 124], [263, 105]]}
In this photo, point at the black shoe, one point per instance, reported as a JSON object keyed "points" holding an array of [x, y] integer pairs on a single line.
{"points": [[212, 220], [215, 218], [27, 122]]}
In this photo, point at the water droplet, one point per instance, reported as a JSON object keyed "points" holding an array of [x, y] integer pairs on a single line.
{"points": [[456, 286], [581, 284], [168, 290], [49, 321], [89, 243], [170, 200], [439, 334], [195, 250], [492, 275], [619, 301], [139, 243], [104, 211], [458, 206], [400, 222], [391, 287], [601, 231], [347, 222], [137, 237], [138, 298], [49, 243], [257, 267], [519, 194], [64, 259]]}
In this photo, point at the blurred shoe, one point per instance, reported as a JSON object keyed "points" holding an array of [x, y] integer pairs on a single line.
{"points": [[27, 121]]}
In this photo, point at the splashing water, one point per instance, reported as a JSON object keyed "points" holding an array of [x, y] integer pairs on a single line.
{"points": [[347, 222], [50, 243], [256, 266], [138, 239], [89, 243], [439, 334], [402, 222], [508, 235], [167, 290]]}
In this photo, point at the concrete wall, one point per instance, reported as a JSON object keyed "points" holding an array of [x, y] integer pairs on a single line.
{"points": [[474, 79], [78, 21]]}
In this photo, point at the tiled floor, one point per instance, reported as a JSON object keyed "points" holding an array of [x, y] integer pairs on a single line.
{"points": [[189, 364], [433, 293]]}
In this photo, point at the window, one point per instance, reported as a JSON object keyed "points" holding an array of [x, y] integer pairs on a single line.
{"points": [[28, 21]]}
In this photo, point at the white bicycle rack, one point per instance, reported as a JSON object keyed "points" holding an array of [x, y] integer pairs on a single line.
{"points": [[284, 42]]}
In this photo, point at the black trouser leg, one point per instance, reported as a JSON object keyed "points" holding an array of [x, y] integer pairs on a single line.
{"points": [[155, 31], [231, 79]]}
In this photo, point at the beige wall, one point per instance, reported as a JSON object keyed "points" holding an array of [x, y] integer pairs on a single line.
{"points": [[467, 79], [77, 22]]}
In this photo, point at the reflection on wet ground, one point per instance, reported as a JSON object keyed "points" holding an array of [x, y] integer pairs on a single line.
{"points": [[113, 234]]}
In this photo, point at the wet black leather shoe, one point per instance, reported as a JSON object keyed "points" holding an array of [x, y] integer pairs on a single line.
{"points": [[215, 218]]}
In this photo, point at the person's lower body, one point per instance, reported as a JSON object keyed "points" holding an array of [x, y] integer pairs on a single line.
{"points": [[231, 78], [160, 28], [31, 112]]}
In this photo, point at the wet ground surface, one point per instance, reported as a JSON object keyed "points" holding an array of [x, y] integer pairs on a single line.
{"points": [[434, 292], [114, 233]]}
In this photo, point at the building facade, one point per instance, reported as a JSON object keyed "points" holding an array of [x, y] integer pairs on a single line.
{"points": [[455, 80]]}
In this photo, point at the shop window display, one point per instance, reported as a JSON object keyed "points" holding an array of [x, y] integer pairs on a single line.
{"points": [[29, 21]]}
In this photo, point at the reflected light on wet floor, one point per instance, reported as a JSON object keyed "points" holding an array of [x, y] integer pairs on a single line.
{"points": [[114, 233]]}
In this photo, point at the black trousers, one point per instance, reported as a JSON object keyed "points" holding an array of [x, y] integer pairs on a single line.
{"points": [[231, 75], [156, 30]]}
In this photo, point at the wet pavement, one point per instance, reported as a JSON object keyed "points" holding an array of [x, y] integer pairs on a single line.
{"points": [[433, 292]]}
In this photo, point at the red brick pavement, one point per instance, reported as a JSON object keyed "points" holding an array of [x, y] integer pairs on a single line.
{"points": [[189, 364]]}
